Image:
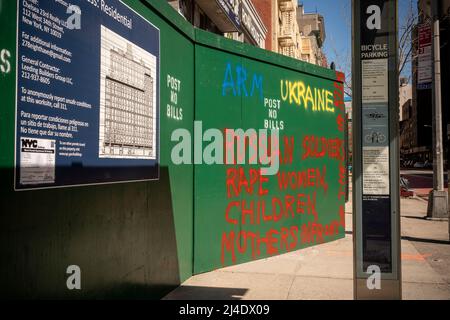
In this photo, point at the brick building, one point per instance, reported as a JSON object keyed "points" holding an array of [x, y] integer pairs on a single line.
{"points": [[280, 26]]}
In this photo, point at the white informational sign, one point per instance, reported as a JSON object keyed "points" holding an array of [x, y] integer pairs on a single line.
{"points": [[425, 70], [375, 81], [425, 59], [376, 170], [37, 161]]}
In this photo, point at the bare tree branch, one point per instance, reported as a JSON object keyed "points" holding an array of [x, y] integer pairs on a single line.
{"points": [[405, 45]]}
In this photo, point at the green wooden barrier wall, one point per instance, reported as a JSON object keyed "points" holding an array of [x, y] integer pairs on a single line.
{"points": [[140, 240], [132, 240], [301, 206]]}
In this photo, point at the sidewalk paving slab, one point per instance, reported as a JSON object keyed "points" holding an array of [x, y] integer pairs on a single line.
{"points": [[325, 272]]}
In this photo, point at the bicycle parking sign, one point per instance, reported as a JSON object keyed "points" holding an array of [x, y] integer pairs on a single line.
{"points": [[376, 188]]}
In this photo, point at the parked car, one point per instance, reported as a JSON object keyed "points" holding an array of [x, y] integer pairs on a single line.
{"points": [[419, 165], [428, 165]]}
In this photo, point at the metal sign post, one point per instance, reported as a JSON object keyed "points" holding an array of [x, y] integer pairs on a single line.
{"points": [[376, 205]]}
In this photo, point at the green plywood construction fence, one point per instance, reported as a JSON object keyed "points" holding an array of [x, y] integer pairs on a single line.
{"points": [[132, 240], [140, 240], [239, 214]]}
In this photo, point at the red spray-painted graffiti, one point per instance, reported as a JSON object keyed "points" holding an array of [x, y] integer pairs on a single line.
{"points": [[280, 216], [301, 199]]}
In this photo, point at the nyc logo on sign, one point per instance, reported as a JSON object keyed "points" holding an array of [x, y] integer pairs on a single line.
{"points": [[29, 143]]}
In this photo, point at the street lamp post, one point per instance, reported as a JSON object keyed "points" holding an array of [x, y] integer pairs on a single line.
{"points": [[438, 199]]}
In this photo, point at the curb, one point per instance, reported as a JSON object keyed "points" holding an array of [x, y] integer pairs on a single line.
{"points": [[419, 198]]}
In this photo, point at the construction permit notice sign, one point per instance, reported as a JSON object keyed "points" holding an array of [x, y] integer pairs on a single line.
{"points": [[37, 161]]}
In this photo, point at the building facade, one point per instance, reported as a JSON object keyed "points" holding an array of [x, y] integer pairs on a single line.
{"points": [[265, 10], [297, 34], [235, 19], [280, 26], [416, 133], [405, 95], [408, 136], [312, 32], [252, 29], [287, 39]]}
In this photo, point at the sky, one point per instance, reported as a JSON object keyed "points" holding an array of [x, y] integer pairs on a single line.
{"points": [[337, 15]]}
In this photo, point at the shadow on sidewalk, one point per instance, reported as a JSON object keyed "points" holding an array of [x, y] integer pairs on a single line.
{"points": [[415, 217], [206, 293], [425, 240], [408, 238]]}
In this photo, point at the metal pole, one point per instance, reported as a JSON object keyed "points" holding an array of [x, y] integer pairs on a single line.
{"points": [[438, 199], [437, 105]]}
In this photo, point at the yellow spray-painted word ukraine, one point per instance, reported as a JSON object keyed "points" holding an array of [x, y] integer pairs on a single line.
{"points": [[318, 100]]}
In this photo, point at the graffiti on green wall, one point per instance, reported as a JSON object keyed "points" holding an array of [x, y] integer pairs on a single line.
{"points": [[242, 214]]}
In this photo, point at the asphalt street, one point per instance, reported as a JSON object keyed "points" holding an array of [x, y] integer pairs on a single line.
{"points": [[421, 181]]}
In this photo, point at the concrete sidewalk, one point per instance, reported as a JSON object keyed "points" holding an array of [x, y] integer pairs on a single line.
{"points": [[325, 272]]}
